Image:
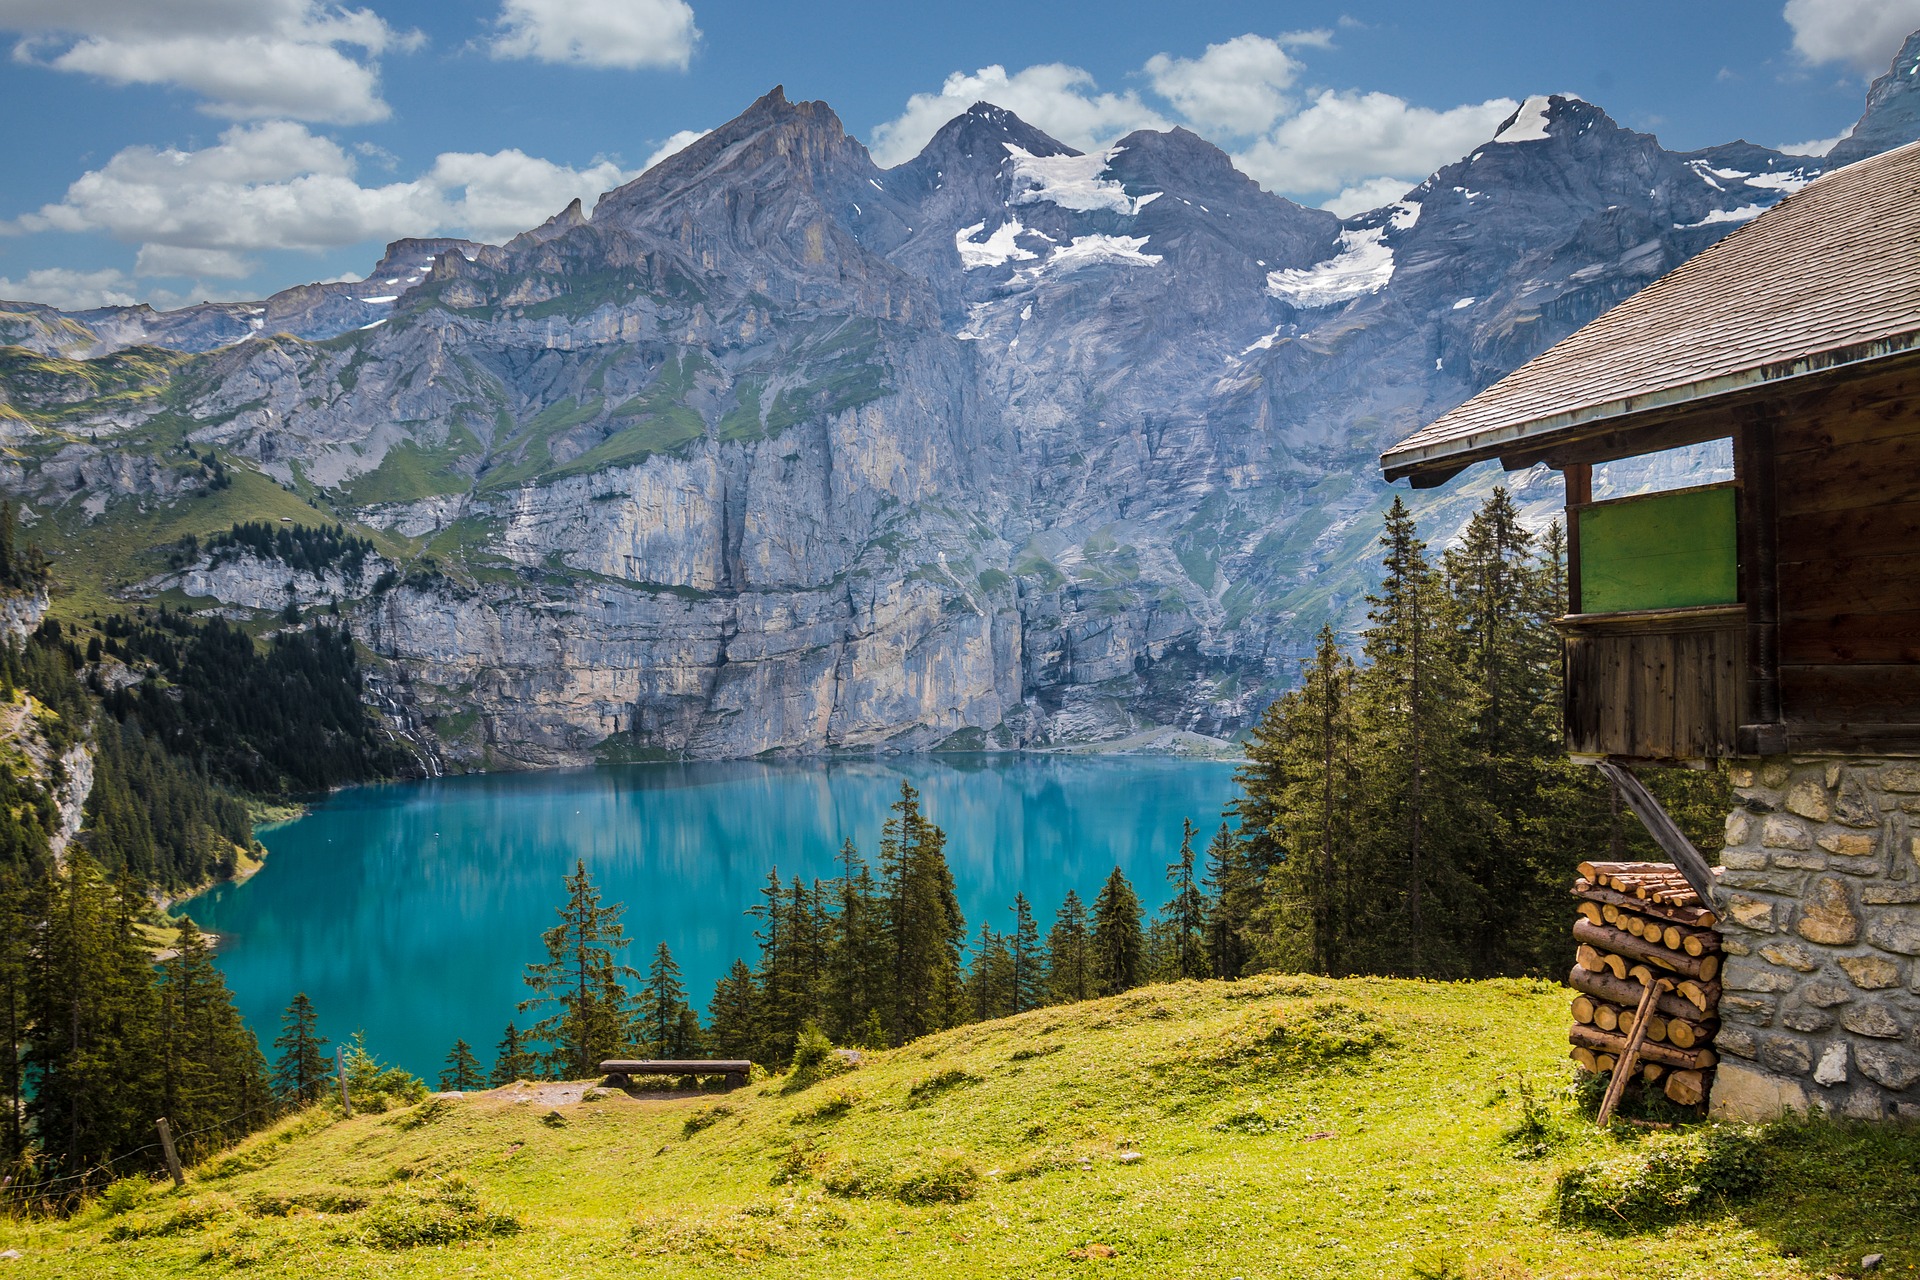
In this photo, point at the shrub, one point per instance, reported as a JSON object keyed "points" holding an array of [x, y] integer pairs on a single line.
{"points": [[921, 1092], [1662, 1183], [445, 1214], [832, 1107], [705, 1118], [932, 1177], [186, 1216], [124, 1195], [376, 1087]]}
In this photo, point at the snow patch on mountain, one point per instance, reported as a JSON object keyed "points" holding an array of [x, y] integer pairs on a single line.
{"points": [[1788, 182], [1087, 251], [1071, 182], [1529, 124], [1364, 265], [996, 250], [1744, 213]]}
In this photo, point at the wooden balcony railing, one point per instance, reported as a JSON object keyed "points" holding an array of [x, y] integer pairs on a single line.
{"points": [[1656, 684]]}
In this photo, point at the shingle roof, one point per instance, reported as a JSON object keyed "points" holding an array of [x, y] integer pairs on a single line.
{"points": [[1829, 276]]}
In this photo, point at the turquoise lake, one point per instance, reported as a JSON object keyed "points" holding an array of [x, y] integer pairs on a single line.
{"points": [[409, 911]]}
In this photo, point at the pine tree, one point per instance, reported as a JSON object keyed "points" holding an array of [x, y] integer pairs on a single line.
{"points": [[1069, 953], [462, 1073], [1414, 712], [689, 1040], [212, 1074], [1234, 899], [662, 1001], [989, 984], [856, 951], [777, 984], [1313, 914], [923, 928], [511, 1060], [733, 1015], [90, 1050], [16, 929], [1118, 945], [1185, 915], [581, 982], [300, 1069], [1026, 979]]}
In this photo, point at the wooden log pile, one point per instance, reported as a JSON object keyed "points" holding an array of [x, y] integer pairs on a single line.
{"points": [[1641, 925]]}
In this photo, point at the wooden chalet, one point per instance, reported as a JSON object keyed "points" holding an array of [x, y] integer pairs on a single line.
{"points": [[1780, 611], [1772, 621]]}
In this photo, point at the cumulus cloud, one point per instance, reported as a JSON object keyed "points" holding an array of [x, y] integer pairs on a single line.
{"points": [[72, 290], [1347, 140], [1349, 149], [1861, 34], [250, 59], [1239, 86], [174, 260], [674, 146], [502, 194], [1813, 146], [598, 33], [1058, 99], [275, 185], [1370, 194]]}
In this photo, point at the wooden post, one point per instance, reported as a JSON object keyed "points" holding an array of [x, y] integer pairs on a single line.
{"points": [[1665, 832], [1579, 478], [340, 1061], [1753, 469], [1624, 1067], [173, 1157]]}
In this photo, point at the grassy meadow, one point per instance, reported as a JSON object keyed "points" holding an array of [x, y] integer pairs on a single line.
{"points": [[1274, 1127]]}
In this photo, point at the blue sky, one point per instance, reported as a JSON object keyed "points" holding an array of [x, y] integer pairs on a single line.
{"points": [[173, 150]]}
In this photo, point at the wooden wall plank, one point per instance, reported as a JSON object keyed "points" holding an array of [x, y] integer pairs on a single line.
{"points": [[1846, 478], [1864, 584], [1873, 692], [1851, 637], [1876, 529]]}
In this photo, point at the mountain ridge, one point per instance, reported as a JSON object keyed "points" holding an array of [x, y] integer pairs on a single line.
{"points": [[778, 451]]}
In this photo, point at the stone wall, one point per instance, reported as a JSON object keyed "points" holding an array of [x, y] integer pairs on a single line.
{"points": [[1821, 924]]}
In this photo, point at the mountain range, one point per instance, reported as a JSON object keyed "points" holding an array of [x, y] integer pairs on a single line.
{"points": [[775, 450]]}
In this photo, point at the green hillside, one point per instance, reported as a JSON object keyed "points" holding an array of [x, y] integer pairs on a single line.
{"points": [[1275, 1127]]}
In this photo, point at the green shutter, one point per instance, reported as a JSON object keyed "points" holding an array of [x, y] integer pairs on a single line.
{"points": [[1661, 551]]}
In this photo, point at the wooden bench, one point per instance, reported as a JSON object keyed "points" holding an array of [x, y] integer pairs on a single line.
{"points": [[619, 1071]]}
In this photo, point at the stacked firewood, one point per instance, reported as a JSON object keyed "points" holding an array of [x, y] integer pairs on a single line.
{"points": [[1642, 925]]}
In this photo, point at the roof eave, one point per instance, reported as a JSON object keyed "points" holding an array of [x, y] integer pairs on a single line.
{"points": [[1437, 462]]}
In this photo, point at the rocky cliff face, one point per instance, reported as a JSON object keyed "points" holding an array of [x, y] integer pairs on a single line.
{"points": [[779, 451]]}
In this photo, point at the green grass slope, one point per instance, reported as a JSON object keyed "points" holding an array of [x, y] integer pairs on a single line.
{"points": [[1278, 1127]]}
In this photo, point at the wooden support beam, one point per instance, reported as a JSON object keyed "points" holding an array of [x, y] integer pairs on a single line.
{"points": [[1665, 832], [1579, 478], [1753, 470]]}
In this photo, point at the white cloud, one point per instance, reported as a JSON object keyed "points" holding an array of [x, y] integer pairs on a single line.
{"points": [[1371, 194], [502, 194], [1351, 149], [275, 185], [1347, 138], [247, 60], [1239, 86], [1060, 100], [598, 33], [173, 260], [1863, 34], [72, 290], [1813, 146], [674, 146]]}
